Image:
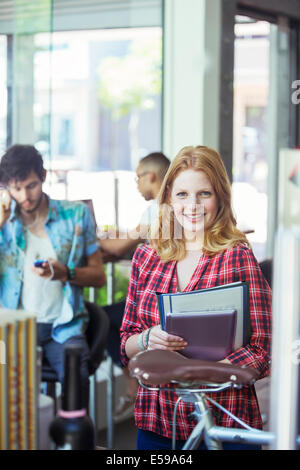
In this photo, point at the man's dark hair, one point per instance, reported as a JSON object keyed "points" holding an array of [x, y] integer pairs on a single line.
{"points": [[157, 162], [18, 161]]}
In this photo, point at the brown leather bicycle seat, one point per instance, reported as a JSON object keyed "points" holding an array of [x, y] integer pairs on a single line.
{"points": [[158, 367]]}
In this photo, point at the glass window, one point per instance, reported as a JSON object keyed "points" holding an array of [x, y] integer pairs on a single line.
{"points": [[3, 93], [105, 114], [251, 94]]}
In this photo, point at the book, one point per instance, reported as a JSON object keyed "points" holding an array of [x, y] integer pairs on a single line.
{"points": [[3, 387], [22, 361], [28, 385], [21, 398], [209, 334], [228, 296], [13, 418], [32, 382], [22, 319]]}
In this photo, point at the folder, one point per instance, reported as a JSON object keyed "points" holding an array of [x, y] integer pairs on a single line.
{"points": [[209, 334], [234, 296]]}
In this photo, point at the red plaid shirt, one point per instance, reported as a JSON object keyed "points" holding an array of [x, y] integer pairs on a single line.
{"points": [[154, 410]]}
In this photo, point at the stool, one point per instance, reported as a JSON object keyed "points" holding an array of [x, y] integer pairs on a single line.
{"points": [[96, 336]]}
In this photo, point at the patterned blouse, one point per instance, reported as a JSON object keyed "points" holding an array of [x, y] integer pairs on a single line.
{"points": [[154, 410]]}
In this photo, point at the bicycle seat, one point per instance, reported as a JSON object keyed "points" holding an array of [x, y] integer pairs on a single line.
{"points": [[158, 367]]}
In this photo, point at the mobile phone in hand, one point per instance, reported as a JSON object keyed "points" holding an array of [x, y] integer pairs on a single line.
{"points": [[39, 263]]}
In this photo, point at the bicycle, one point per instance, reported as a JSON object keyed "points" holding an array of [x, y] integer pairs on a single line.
{"points": [[195, 378]]}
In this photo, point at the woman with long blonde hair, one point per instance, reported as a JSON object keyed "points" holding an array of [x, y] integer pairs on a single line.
{"points": [[223, 233], [194, 245]]}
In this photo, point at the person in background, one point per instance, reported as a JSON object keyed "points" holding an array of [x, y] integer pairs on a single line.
{"points": [[62, 236], [149, 177], [202, 248]]}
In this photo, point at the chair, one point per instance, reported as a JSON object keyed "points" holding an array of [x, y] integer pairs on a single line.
{"points": [[263, 386], [96, 335], [267, 269]]}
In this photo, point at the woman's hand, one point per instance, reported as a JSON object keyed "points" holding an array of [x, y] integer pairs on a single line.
{"points": [[159, 339]]}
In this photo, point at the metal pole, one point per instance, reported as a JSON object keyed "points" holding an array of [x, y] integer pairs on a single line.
{"points": [[285, 342], [110, 387], [92, 294], [92, 402], [93, 405]]}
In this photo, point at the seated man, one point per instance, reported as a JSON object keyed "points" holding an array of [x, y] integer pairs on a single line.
{"points": [[62, 235], [149, 176]]}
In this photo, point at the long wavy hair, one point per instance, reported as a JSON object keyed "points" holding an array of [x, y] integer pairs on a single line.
{"points": [[223, 233]]}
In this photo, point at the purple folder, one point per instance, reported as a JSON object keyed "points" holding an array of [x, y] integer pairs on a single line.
{"points": [[209, 334]]}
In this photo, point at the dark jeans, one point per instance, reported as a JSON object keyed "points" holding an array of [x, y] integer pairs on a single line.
{"points": [[54, 353], [147, 440], [115, 314]]}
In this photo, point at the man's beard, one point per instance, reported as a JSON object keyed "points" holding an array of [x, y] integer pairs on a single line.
{"points": [[31, 211], [148, 196]]}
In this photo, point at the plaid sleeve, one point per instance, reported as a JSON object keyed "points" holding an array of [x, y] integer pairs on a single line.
{"points": [[257, 353], [131, 324]]}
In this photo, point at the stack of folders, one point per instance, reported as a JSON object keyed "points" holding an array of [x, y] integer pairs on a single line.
{"points": [[18, 381], [214, 321]]}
